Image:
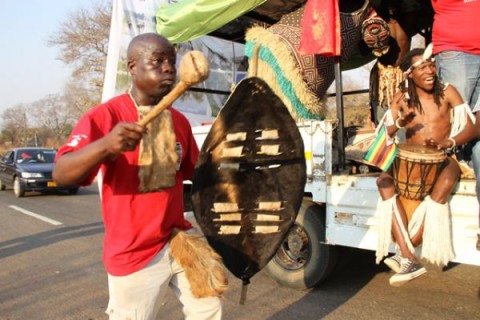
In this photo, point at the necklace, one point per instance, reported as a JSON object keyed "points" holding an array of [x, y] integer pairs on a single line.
{"points": [[131, 97], [135, 102], [141, 110]]}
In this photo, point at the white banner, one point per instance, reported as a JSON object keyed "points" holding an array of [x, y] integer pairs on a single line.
{"points": [[132, 17]]}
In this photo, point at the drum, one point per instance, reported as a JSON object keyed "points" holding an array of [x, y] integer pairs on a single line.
{"points": [[415, 170]]}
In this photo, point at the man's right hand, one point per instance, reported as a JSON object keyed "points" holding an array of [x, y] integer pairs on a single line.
{"points": [[124, 137]]}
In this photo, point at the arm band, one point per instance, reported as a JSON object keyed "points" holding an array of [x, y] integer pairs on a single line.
{"points": [[397, 124], [454, 143]]}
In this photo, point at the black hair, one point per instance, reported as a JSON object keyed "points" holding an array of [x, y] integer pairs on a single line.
{"points": [[438, 86]]}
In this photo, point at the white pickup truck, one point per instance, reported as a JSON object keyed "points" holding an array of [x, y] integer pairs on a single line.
{"points": [[339, 209]]}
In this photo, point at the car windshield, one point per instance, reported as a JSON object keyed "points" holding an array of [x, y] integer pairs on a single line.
{"points": [[35, 156]]}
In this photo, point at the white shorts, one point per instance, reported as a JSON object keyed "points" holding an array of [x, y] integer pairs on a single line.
{"points": [[138, 296]]}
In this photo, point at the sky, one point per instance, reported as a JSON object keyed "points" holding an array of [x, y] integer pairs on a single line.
{"points": [[29, 69]]}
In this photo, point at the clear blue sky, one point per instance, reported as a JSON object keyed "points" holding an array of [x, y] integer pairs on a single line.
{"points": [[29, 69]]}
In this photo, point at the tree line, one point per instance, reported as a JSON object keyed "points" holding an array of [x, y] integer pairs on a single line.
{"points": [[82, 40]]}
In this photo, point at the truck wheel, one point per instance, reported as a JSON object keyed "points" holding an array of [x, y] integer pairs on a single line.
{"points": [[303, 260], [18, 190]]}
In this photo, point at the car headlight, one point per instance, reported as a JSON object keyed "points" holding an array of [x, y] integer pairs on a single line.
{"points": [[32, 175]]}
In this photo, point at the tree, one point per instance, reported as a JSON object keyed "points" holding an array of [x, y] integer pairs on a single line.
{"points": [[79, 98], [83, 42], [53, 118], [16, 127]]}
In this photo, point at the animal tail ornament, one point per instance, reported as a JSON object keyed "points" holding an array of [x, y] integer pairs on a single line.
{"points": [[435, 217], [437, 243], [203, 266], [388, 210]]}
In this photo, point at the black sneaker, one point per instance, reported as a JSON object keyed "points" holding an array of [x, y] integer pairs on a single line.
{"points": [[409, 270], [394, 262]]}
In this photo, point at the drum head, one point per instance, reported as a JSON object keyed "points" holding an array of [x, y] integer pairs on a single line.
{"points": [[420, 152]]}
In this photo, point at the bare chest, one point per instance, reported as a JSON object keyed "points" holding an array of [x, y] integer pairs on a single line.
{"points": [[432, 122]]}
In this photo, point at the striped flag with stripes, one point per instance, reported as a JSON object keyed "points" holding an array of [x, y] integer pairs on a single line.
{"points": [[382, 152]]}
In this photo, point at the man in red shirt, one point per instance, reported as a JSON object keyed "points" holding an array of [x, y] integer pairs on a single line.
{"points": [[138, 224], [456, 45]]}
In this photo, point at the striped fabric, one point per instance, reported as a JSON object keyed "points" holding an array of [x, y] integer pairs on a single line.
{"points": [[278, 67], [285, 82], [382, 152]]}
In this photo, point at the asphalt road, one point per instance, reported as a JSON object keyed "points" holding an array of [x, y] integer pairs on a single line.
{"points": [[50, 268]]}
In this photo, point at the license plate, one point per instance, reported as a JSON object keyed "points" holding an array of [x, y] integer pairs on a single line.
{"points": [[51, 184]]}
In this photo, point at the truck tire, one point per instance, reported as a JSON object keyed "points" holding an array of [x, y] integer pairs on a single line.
{"points": [[303, 260]]}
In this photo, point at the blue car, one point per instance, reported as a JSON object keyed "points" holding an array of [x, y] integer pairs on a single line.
{"points": [[30, 169]]}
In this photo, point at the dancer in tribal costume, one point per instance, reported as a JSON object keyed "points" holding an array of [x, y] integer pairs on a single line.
{"points": [[432, 114]]}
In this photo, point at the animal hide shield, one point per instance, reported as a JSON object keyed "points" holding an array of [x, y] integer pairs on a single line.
{"points": [[249, 179]]}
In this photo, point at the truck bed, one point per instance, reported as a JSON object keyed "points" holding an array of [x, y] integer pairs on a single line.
{"points": [[352, 203], [351, 200]]}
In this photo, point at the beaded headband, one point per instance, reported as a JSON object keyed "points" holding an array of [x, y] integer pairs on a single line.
{"points": [[427, 56]]}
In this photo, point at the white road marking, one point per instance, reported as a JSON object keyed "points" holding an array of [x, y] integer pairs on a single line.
{"points": [[35, 215]]}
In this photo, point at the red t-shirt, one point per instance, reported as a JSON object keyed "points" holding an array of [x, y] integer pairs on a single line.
{"points": [[455, 26], [137, 225]]}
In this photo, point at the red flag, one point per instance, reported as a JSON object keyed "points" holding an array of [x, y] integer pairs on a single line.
{"points": [[320, 28]]}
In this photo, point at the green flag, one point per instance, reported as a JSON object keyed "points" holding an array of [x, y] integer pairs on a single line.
{"points": [[189, 19]]}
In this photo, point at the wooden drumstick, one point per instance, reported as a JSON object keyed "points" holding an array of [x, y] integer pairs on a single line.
{"points": [[193, 69]]}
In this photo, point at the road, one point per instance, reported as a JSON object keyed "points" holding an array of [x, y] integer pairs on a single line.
{"points": [[51, 269]]}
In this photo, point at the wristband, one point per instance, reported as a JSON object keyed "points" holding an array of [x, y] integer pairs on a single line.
{"points": [[454, 143], [397, 124]]}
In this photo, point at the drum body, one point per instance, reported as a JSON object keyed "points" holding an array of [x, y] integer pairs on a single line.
{"points": [[415, 170]]}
